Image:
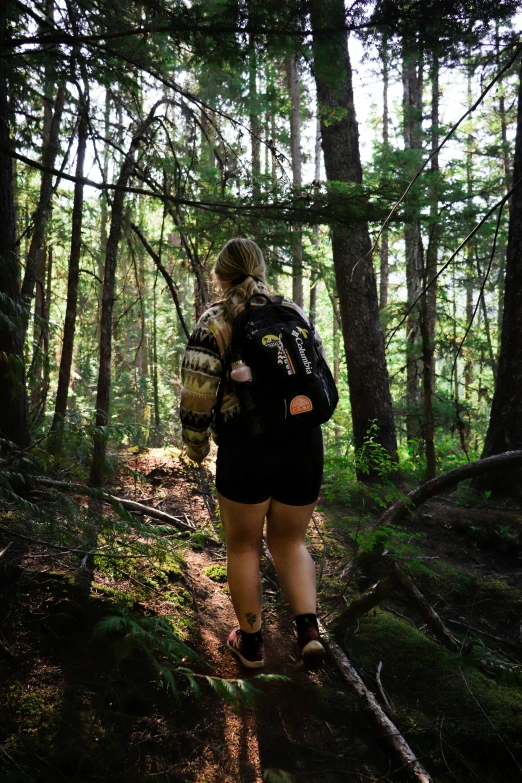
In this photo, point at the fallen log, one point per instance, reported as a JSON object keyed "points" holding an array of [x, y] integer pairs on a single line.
{"points": [[362, 605], [425, 491], [428, 614], [380, 590], [391, 733], [129, 505]]}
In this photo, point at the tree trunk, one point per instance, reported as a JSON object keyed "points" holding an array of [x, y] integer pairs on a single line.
{"points": [[294, 86], [335, 333], [104, 201], [363, 339], [487, 326], [384, 270], [45, 359], [407, 505], [14, 424], [412, 109], [50, 151], [69, 326], [429, 303], [104, 375], [506, 168], [470, 265], [35, 373], [315, 273], [155, 382], [255, 123], [505, 425]]}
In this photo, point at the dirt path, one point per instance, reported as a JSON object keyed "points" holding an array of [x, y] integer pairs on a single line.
{"points": [[301, 726]]}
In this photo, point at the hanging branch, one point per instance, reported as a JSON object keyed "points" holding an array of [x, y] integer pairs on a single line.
{"points": [[444, 140], [492, 362], [168, 279], [481, 293], [443, 268]]}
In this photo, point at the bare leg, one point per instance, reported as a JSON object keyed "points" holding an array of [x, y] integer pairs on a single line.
{"points": [[286, 529], [243, 525]]}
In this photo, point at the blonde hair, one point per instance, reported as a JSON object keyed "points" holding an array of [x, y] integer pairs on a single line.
{"points": [[241, 266]]}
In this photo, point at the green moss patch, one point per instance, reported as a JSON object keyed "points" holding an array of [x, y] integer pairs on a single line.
{"points": [[216, 572], [441, 699]]}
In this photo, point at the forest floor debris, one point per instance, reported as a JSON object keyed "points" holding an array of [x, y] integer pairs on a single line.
{"points": [[71, 713]]}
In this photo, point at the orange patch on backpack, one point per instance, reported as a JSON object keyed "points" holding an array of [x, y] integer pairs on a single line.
{"points": [[300, 404]]}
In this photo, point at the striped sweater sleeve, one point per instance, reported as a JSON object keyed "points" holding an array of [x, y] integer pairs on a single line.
{"points": [[201, 373]]}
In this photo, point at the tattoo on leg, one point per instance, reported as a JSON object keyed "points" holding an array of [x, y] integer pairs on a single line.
{"points": [[251, 618]]}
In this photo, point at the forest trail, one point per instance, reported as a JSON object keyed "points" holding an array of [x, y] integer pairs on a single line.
{"points": [[78, 708], [296, 727]]}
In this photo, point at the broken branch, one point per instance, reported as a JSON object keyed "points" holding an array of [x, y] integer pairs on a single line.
{"points": [[428, 614]]}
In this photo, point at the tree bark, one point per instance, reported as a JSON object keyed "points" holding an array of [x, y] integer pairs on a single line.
{"points": [[14, 425], [255, 123], [470, 270], [505, 425], [50, 151], [412, 81], [104, 375], [384, 261], [294, 87], [69, 325], [506, 168], [429, 302], [363, 339], [314, 279], [104, 200], [155, 380]]}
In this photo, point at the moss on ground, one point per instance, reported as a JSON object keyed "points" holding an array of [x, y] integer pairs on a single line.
{"points": [[31, 718], [441, 698], [216, 572]]}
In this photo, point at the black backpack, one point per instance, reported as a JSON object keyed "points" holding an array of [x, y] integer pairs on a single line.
{"points": [[292, 388]]}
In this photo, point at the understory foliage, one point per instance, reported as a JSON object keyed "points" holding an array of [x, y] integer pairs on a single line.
{"points": [[214, 162], [136, 140]]}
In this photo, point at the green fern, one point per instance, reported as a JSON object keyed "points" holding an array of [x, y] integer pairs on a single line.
{"points": [[156, 639]]}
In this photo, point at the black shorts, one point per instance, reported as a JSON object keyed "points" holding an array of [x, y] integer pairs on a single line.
{"points": [[287, 469]]}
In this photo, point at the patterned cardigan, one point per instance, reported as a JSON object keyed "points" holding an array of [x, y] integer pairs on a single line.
{"points": [[201, 374]]}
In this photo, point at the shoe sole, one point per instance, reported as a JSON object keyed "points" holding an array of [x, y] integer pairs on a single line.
{"points": [[313, 655], [245, 661]]}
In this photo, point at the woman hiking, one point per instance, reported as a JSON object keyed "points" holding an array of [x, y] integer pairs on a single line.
{"points": [[276, 476]]}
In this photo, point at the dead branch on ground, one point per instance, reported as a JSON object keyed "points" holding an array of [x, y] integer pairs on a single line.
{"points": [[384, 724], [129, 505], [428, 614]]}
